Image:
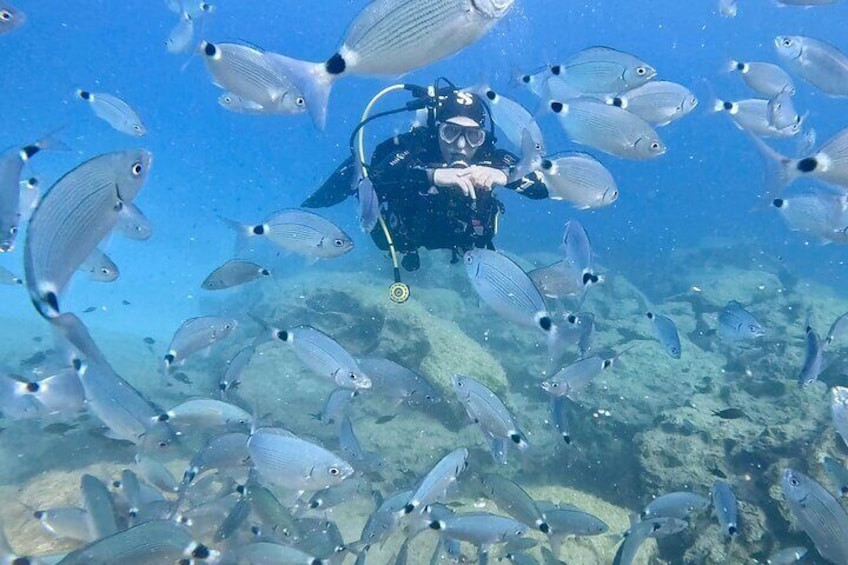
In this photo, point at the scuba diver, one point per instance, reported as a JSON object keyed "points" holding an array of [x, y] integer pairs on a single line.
{"points": [[434, 184]]}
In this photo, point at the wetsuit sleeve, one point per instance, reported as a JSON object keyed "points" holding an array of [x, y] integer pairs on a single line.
{"points": [[530, 185]]}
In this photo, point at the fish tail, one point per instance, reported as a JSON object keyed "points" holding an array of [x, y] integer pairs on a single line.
{"points": [[314, 82], [718, 105], [779, 170], [243, 233]]}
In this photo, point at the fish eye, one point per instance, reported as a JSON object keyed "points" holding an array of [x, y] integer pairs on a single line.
{"points": [[641, 71], [794, 481], [752, 327], [655, 146], [787, 42], [338, 242], [13, 230], [469, 259], [104, 270], [5, 15], [136, 169], [299, 101], [335, 471]]}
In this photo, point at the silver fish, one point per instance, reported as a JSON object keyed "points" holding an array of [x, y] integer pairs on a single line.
{"points": [[839, 411], [127, 414], [206, 413], [822, 215], [234, 272], [133, 224], [816, 61], [180, 38], [65, 522], [270, 552], [510, 117], [301, 232], [580, 179], [99, 507], [480, 528], [30, 194], [393, 37], [675, 505], [815, 511], [324, 355], [813, 359], [155, 473], [752, 115], [437, 481], [657, 102], [608, 128], [73, 217], [599, 70], [725, 507], [194, 335], [767, 79], [60, 393], [249, 74], [507, 289], [369, 202], [395, 381], [383, 521], [131, 489], [351, 448], [11, 164], [293, 463], [557, 280], [114, 111], [665, 330], [829, 163], [231, 378], [100, 267], [572, 380], [488, 411], [736, 324], [16, 402], [837, 473], [239, 105], [781, 111], [336, 406], [10, 18], [157, 541], [226, 451], [7, 277], [837, 329], [514, 500], [639, 532], [559, 417], [234, 520]]}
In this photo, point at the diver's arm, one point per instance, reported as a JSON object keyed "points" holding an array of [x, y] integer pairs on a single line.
{"points": [[530, 185]]}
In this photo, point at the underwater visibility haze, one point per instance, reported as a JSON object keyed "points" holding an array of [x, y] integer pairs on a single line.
{"points": [[424, 281]]}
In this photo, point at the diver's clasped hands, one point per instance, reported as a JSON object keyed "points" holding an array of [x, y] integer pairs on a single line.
{"points": [[471, 179]]}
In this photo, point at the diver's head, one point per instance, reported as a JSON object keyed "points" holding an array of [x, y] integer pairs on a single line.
{"points": [[460, 120]]}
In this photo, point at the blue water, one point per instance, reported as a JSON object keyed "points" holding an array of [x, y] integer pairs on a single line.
{"points": [[209, 162]]}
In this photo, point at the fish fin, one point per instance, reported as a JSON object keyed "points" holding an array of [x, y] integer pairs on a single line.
{"points": [[779, 170], [243, 234], [313, 80]]}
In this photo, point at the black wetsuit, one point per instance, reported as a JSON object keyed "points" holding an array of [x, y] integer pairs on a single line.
{"points": [[422, 215], [417, 213]]}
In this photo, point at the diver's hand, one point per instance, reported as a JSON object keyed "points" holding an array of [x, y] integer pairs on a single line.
{"points": [[460, 178], [486, 177]]}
